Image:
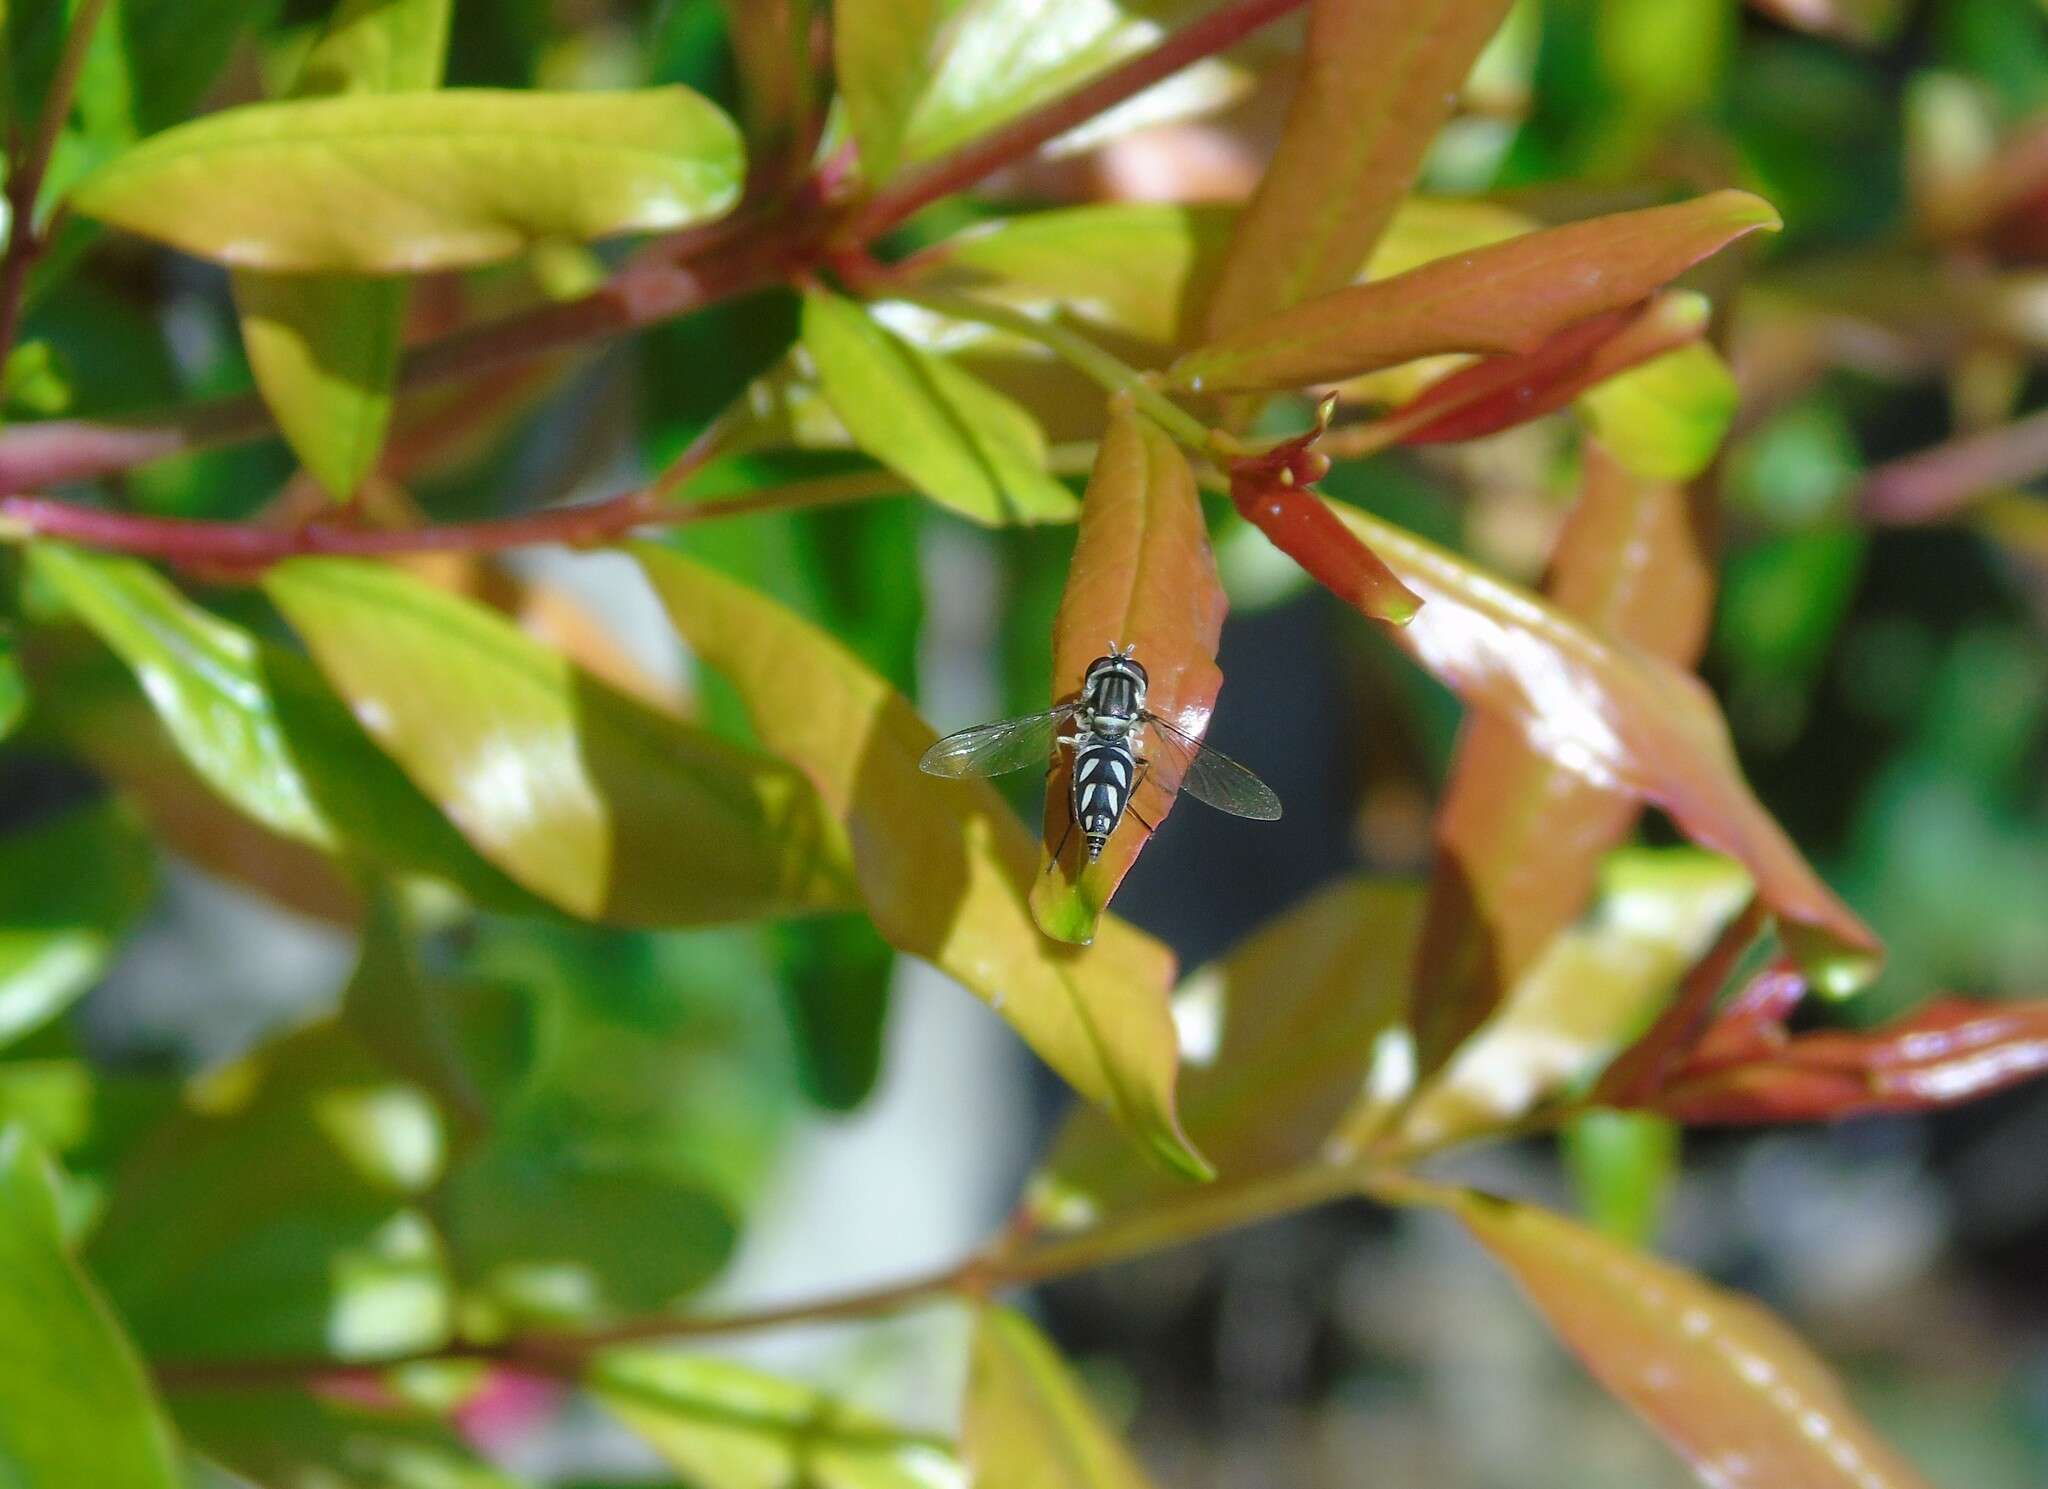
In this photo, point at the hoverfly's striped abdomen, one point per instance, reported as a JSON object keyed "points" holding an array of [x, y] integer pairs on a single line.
{"points": [[1104, 770]]}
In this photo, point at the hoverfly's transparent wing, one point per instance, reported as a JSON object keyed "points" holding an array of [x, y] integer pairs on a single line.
{"points": [[998, 748], [1213, 777]]}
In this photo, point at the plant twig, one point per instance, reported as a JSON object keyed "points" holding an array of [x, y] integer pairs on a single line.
{"points": [[1079, 353], [1006, 1262], [701, 269], [1938, 483], [26, 240]]}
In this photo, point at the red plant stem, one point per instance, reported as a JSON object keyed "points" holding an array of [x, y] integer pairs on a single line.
{"points": [[1938, 483], [685, 274], [25, 240], [1220, 29]]}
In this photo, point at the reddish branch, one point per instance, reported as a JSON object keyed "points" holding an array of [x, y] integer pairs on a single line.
{"points": [[779, 246]]}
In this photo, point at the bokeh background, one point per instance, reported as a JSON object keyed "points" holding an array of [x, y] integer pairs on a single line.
{"points": [[1887, 683]]}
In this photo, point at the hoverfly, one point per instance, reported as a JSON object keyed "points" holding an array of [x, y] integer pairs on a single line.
{"points": [[1108, 764]]}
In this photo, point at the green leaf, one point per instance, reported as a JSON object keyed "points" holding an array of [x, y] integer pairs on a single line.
{"points": [[1029, 1424], [204, 677], [881, 57], [323, 1251], [945, 868], [298, 1439], [723, 1424], [68, 891], [1732, 1390], [591, 800], [75, 1405], [1623, 1165], [324, 348], [1665, 420], [958, 441], [996, 59], [13, 686], [1136, 269], [417, 182], [173, 50]]}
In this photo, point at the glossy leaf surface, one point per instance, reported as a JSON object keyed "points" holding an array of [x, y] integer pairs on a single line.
{"points": [[1272, 492], [75, 1405], [1618, 717], [1503, 298], [416, 182], [1499, 392], [323, 348], [1029, 1424], [944, 867], [716, 1422], [593, 801], [951, 436], [1378, 79], [1727, 1385], [1142, 576], [1277, 1042], [1520, 835], [1947, 1052], [69, 889], [881, 55], [204, 677], [1591, 990], [1137, 270]]}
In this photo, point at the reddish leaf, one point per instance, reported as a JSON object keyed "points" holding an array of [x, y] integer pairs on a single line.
{"points": [[1378, 79], [1617, 716], [1143, 576], [1272, 491], [1952, 1050], [1520, 836], [1638, 1071], [1501, 392], [1731, 1388], [1504, 298]]}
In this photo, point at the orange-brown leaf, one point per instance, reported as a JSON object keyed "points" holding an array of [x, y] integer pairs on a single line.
{"points": [[1504, 298], [1520, 837], [1619, 717], [1727, 1385], [1143, 576], [1378, 79]]}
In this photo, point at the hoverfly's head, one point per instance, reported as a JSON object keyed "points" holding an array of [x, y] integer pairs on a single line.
{"points": [[1119, 661]]}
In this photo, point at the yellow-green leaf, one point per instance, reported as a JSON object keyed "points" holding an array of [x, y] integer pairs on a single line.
{"points": [[68, 889], [945, 867], [957, 440], [409, 183], [75, 1406], [588, 798], [727, 1425], [204, 677], [1665, 420], [881, 53], [324, 347], [1029, 1424], [1732, 1389]]}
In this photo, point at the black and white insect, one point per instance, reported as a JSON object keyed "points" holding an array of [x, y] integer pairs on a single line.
{"points": [[1110, 722]]}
